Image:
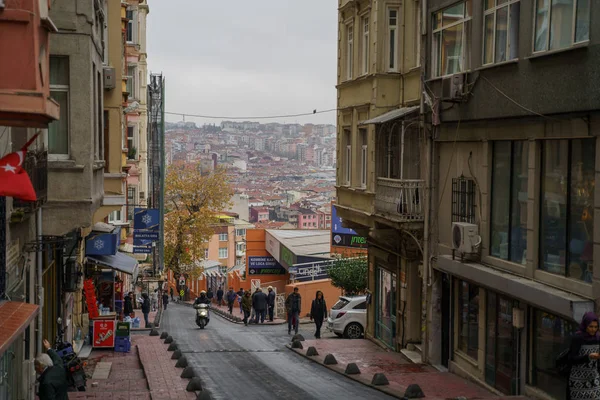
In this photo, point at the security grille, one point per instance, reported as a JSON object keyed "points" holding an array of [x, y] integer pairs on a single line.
{"points": [[463, 199]]}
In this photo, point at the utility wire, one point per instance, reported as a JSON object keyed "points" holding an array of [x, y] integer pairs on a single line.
{"points": [[251, 118]]}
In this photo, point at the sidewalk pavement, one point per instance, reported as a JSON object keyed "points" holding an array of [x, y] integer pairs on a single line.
{"points": [[399, 371], [146, 372], [151, 318]]}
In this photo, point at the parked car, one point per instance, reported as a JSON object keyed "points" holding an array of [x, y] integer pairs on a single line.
{"points": [[348, 317]]}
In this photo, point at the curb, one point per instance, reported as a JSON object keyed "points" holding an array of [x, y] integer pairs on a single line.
{"points": [[340, 370]]}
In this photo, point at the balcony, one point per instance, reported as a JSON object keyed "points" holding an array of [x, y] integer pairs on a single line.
{"points": [[400, 200], [36, 165]]}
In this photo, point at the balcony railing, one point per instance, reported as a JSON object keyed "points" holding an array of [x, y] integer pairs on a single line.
{"points": [[36, 165], [400, 199]]}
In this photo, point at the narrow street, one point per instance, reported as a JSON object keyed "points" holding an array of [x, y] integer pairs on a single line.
{"points": [[252, 362]]}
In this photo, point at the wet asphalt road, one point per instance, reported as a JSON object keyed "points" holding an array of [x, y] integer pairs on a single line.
{"points": [[238, 362]]}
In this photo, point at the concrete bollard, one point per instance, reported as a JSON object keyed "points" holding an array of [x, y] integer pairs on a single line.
{"points": [[188, 373], [329, 360], [296, 344], [182, 362], [414, 391], [194, 384], [172, 347], [298, 337], [176, 355], [154, 332], [203, 396], [352, 369], [312, 351], [379, 379], [164, 335], [169, 340]]}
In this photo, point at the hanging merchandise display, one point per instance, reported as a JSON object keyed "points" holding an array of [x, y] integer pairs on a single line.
{"points": [[90, 298]]}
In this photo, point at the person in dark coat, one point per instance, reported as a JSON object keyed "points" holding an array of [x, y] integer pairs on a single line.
{"points": [[246, 306], [318, 312], [240, 294], [146, 308], [584, 353], [259, 302], [210, 294], [53, 377], [293, 305], [172, 299], [231, 296], [128, 305], [165, 299], [271, 302], [220, 296]]}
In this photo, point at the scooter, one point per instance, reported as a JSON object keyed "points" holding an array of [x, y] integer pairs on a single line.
{"points": [[202, 315], [71, 362]]}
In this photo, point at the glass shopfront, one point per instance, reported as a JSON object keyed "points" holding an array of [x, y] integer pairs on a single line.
{"points": [[385, 317], [550, 336], [501, 345], [468, 312]]}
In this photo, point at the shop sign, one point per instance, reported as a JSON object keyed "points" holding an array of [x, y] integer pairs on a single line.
{"points": [[264, 266], [101, 244], [146, 218], [312, 272], [345, 240], [287, 256], [104, 333], [145, 235], [142, 249]]}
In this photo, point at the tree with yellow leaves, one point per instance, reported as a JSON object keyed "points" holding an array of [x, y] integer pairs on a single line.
{"points": [[193, 200]]}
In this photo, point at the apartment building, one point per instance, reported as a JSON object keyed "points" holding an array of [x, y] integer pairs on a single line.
{"points": [[513, 89], [379, 185], [26, 109]]}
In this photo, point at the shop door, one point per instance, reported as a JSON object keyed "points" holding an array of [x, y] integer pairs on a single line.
{"points": [[501, 351], [50, 312], [385, 317], [446, 310]]}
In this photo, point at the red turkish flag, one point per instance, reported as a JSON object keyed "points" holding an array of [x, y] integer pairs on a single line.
{"points": [[14, 181]]}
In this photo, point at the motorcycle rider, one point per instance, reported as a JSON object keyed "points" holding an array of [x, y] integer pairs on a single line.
{"points": [[203, 299]]}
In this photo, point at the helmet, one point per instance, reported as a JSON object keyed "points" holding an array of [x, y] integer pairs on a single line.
{"points": [[203, 292]]}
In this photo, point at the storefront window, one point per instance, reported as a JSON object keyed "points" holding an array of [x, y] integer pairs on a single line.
{"points": [[551, 335], [385, 324], [509, 201], [468, 311], [567, 212]]}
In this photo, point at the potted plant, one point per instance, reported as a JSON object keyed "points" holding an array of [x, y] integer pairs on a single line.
{"points": [[131, 153]]}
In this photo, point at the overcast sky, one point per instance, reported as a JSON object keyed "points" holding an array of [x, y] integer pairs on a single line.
{"points": [[245, 58]]}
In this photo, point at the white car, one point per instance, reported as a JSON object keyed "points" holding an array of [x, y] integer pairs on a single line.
{"points": [[348, 317]]}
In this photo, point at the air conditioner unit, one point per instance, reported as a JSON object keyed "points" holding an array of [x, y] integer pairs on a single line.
{"points": [[142, 196], [452, 87], [109, 78], [465, 237]]}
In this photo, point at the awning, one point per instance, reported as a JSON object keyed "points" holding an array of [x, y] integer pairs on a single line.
{"points": [[120, 262], [534, 293], [390, 116], [15, 317]]}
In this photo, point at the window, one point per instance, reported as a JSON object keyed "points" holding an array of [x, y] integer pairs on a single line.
{"points": [[360, 306], [561, 23], [131, 86], [501, 344], [349, 50], [240, 232], [347, 158], [58, 131], [131, 26], [223, 252], [363, 158], [550, 337], [131, 201], [501, 30], [509, 201], [239, 247], [567, 209], [131, 142], [463, 199], [393, 39], [365, 45], [451, 31], [115, 217], [468, 318], [222, 237]]}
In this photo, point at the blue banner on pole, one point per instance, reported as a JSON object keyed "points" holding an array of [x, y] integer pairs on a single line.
{"points": [[141, 242], [142, 249], [143, 234], [146, 218]]}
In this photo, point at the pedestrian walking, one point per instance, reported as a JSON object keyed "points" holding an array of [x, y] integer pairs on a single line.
{"points": [[293, 305], [584, 352], [271, 302], [146, 308], [259, 302], [210, 294], [165, 299], [318, 311], [246, 306], [128, 305], [154, 299], [172, 298], [240, 294], [53, 376], [220, 296], [231, 296]]}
